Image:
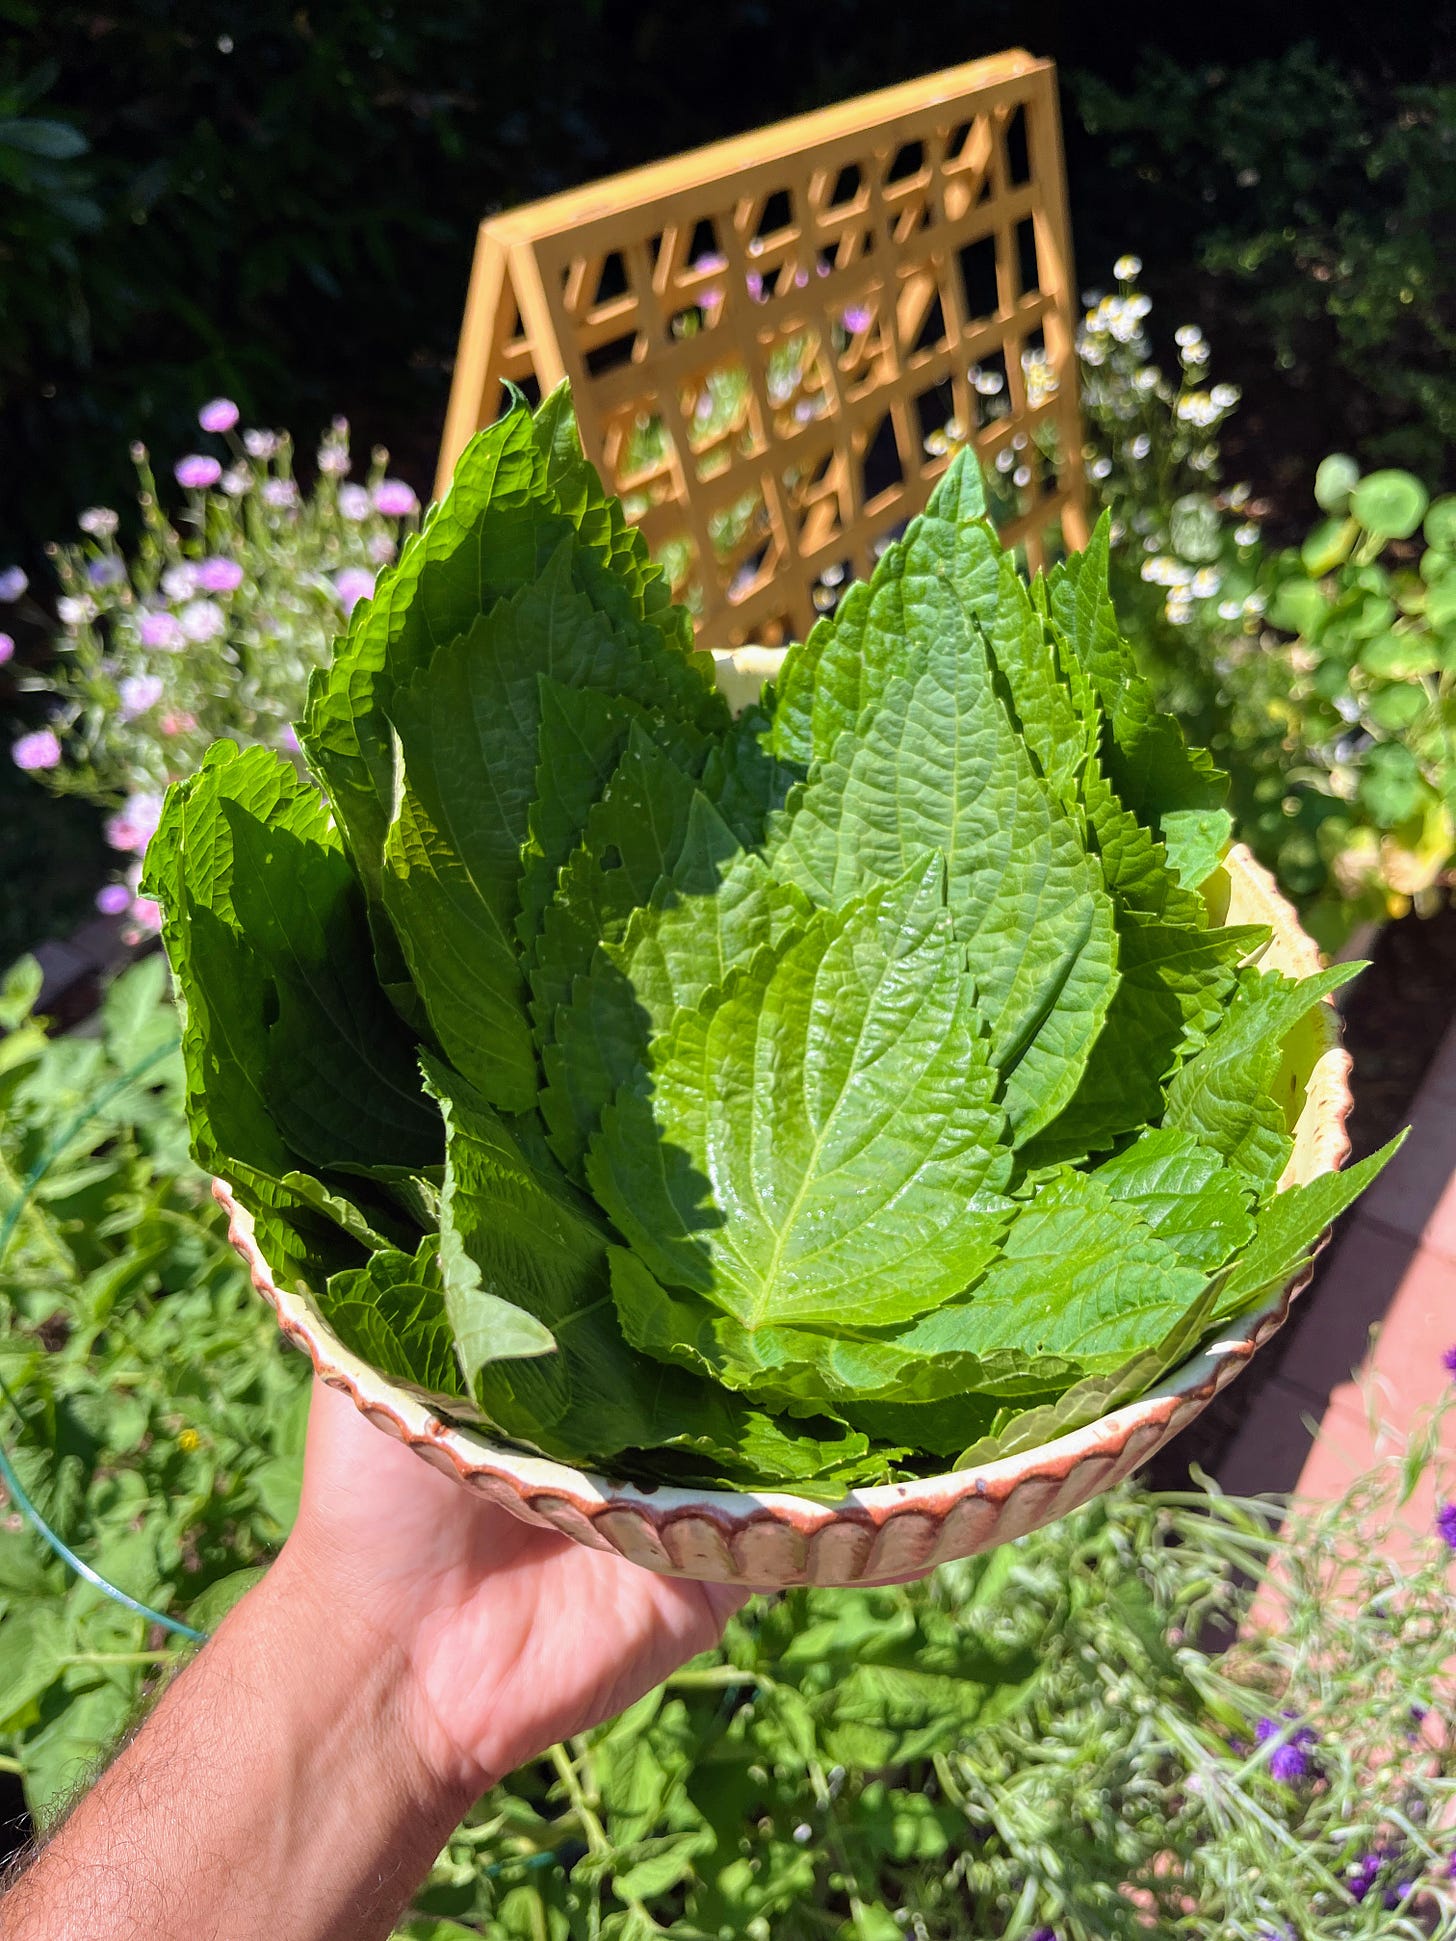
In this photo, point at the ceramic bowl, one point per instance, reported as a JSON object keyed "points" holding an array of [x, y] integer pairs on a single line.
{"points": [[896, 1530]]}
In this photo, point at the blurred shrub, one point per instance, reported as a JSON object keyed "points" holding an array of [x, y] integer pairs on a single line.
{"points": [[279, 202], [1028, 1745], [1322, 196], [1323, 675], [148, 1406]]}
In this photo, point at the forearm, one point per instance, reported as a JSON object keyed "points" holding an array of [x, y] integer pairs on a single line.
{"points": [[274, 1795]]}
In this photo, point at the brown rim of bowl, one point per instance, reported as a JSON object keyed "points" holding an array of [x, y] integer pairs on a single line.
{"points": [[767, 1539]]}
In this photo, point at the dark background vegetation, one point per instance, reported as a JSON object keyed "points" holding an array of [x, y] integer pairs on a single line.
{"points": [[277, 201]]}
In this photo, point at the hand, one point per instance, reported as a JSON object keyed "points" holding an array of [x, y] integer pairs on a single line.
{"points": [[508, 1637]]}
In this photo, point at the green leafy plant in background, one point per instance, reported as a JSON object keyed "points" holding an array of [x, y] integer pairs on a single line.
{"points": [[685, 1039], [1033, 1745], [1365, 655], [148, 1410], [1321, 675], [209, 626]]}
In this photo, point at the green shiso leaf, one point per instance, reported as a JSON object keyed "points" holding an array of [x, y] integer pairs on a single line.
{"points": [[1289, 1227], [1240, 1094], [805, 1100], [825, 1139], [937, 763]]}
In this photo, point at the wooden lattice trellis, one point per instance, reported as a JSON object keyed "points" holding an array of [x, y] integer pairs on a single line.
{"points": [[774, 343]]}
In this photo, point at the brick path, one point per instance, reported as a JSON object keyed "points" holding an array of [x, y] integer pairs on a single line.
{"points": [[1394, 1272]]}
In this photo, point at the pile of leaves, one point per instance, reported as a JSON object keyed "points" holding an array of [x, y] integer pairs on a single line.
{"points": [[819, 1097]]}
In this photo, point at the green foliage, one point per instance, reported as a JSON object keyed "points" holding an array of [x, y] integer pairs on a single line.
{"points": [[1323, 192], [732, 1092], [151, 1416], [1024, 1744], [1322, 675]]}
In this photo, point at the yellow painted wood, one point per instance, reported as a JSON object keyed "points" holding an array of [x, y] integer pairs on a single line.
{"points": [[776, 342]]}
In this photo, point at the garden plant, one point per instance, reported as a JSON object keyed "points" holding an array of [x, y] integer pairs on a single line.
{"points": [[1322, 675], [209, 625]]}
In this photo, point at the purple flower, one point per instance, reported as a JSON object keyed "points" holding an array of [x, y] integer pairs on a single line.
{"points": [[7, 648], [380, 548], [1448, 1361], [99, 520], [395, 499], [1446, 1524], [75, 612], [40, 749], [218, 575], [202, 620], [354, 502], [288, 738], [146, 915], [333, 460], [1289, 1760], [260, 444], [113, 899], [138, 693], [858, 317], [280, 492], [12, 584], [1362, 1875], [160, 630], [755, 286], [236, 480], [197, 471], [218, 414], [354, 584], [107, 570], [134, 824], [179, 582], [710, 262]]}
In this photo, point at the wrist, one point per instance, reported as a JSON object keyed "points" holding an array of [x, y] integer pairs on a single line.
{"points": [[357, 1647]]}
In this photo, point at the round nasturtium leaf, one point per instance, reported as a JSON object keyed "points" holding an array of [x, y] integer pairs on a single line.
{"points": [[1389, 505], [1395, 708], [1440, 528], [1336, 479], [1390, 786], [1373, 616], [1441, 604], [1400, 657], [1298, 607], [1436, 564], [1331, 679], [1329, 545]]}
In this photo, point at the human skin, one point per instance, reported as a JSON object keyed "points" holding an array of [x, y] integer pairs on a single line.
{"points": [[410, 1645]]}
